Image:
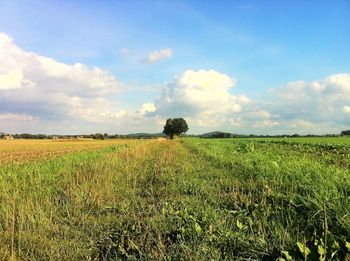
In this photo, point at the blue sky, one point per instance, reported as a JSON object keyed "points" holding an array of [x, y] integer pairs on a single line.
{"points": [[263, 46]]}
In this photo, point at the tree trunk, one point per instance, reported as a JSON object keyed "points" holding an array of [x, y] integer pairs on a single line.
{"points": [[171, 136]]}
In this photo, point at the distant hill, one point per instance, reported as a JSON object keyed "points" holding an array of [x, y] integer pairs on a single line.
{"points": [[220, 134]]}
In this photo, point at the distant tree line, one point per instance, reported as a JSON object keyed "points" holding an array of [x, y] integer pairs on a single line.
{"points": [[210, 135], [219, 134], [95, 136], [346, 132]]}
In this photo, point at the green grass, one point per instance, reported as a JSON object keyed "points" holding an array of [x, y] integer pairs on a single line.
{"points": [[311, 140], [189, 199]]}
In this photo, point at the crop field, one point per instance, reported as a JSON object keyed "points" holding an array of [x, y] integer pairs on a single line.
{"points": [[20, 151], [183, 199], [314, 140]]}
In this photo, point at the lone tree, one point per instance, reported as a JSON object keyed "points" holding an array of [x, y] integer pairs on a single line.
{"points": [[175, 126]]}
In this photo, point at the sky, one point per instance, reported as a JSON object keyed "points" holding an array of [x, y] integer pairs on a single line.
{"points": [[249, 67]]}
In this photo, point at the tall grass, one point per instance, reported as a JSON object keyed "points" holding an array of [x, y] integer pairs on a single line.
{"points": [[191, 199]]}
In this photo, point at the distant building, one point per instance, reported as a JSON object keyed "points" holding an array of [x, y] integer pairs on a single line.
{"points": [[8, 137]]}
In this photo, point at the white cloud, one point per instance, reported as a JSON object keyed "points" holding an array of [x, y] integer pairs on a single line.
{"points": [[301, 124], [17, 117], [316, 106], [158, 55], [346, 109], [40, 94], [147, 107], [124, 51], [31, 84], [339, 82], [203, 97], [19, 67], [11, 80]]}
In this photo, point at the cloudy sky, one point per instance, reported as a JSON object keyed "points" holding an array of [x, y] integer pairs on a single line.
{"points": [[262, 67]]}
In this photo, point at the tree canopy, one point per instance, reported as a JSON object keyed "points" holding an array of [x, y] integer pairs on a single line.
{"points": [[346, 132], [175, 126]]}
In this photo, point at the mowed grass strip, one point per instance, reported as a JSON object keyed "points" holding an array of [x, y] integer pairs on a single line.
{"points": [[191, 199], [67, 207]]}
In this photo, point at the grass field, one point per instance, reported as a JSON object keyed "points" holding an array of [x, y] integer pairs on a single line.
{"points": [[189, 199], [312, 140]]}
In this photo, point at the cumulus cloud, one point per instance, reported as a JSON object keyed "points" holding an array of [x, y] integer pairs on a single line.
{"points": [[17, 117], [124, 51], [147, 107], [158, 55], [11, 80], [42, 88], [315, 106], [202, 97], [346, 109], [40, 94]]}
